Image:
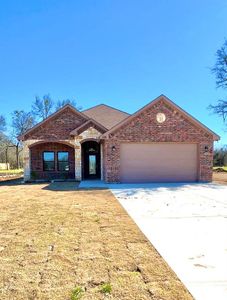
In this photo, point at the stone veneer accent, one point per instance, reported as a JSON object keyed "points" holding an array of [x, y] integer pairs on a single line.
{"points": [[144, 128], [90, 133]]}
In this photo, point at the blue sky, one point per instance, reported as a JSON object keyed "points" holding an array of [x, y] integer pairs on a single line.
{"points": [[120, 52]]}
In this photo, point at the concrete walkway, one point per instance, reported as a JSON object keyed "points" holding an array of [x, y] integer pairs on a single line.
{"points": [[187, 223], [88, 184]]}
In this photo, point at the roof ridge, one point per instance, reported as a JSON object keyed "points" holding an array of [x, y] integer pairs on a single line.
{"points": [[103, 104]]}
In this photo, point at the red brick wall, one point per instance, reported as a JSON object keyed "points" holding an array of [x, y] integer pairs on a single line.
{"points": [[145, 128], [36, 153], [58, 127]]}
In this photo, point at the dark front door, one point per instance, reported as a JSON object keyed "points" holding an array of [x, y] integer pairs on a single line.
{"points": [[91, 160]]}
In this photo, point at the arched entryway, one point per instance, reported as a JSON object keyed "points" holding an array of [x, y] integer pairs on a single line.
{"points": [[91, 160], [52, 160]]}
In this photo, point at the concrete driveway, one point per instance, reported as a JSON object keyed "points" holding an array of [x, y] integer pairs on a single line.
{"points": [[187, 223]]}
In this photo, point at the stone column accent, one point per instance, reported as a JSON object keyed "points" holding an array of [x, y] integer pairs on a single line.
{"points": [[78, 174], [27, 158], [101, 160], [27, 165]]}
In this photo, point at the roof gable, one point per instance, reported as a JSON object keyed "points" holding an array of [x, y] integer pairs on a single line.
{"points": [[73, 119], [167, 101], [106, 115], [86, 125]]}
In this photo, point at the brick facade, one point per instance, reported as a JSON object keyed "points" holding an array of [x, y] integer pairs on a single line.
{"points": [[58, 127], [70, 129], [144, 128], [36, 153]]}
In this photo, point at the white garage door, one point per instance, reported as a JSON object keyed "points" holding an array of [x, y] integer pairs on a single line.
{"points": [[158, 162]]}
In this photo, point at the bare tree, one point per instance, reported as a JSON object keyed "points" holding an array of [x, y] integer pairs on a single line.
{"points": [[220, 71], [220, 109], [42, 108], [2, 123], [3, 139], [220, 68], [21, 122], [62, 103], [4, 145], [7, 151]]}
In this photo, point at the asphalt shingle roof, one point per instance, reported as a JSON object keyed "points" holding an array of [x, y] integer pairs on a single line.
{"points": [[105, 115]]}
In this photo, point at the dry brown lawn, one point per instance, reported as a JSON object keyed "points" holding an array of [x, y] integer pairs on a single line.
{"points": [[220, 177], [54, 238]]}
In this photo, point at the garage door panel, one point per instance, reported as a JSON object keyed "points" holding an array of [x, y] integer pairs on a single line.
{"points": [[158, 162]]}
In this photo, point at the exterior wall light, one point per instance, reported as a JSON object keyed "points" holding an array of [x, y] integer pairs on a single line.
{"points": [[113, 148], [206, 148]]}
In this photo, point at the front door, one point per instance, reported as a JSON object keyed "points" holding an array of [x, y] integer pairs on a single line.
{"points": [[91, 160], [92, 165]]}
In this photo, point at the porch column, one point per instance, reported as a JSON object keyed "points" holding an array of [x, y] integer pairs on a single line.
{"points": [[27, 162], [101, 160], [78, 161]]}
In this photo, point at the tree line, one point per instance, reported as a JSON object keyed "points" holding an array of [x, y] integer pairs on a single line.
{"points": [[220, 157], [21, 121]]}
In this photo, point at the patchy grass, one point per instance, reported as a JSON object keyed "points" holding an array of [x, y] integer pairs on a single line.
{"points": [[65, 243], [106, 288], [77, 293], [224, 168], [15, 171]]}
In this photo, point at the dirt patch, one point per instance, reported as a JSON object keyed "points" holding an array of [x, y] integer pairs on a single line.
{"points": [[220, 177], [54, 241], [9, 177]]}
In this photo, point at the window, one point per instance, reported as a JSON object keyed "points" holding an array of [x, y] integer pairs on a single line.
{"points": [[92, 164], [63, 161], [48, 161]]}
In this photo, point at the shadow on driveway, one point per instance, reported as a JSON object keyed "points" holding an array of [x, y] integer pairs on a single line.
{"points": [[133, 189]]}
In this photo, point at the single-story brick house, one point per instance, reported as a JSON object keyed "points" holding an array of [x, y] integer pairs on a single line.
{"points": [[158, 143]]}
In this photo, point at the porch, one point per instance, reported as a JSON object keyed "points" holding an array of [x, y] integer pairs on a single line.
{"points": [[63, 160]]}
